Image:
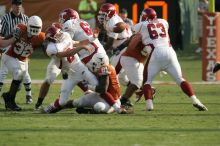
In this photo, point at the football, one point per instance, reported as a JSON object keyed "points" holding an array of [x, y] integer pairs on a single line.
{"points": [[119, 27]]}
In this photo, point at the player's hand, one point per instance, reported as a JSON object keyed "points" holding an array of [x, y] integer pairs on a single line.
{"points": [[17, 33]]}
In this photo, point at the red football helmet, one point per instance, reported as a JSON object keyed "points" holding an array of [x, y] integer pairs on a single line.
{"points": [[147, 14], [68, 14], [53, 33], [106, 12]]}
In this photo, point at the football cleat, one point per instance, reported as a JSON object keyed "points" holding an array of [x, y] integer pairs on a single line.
{"points": [[29, 99], [149, 104], [10, 105], [200, 107], [38, 106], [51, 109], [197, 104]]}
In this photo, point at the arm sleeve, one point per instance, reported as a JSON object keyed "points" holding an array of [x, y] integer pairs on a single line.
{"points": [[51, 49], [4, 27]]}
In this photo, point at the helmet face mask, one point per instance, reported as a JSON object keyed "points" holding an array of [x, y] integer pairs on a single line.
{"points": [[68, 14], [53, 34], [97, 61], [106, 12], [34, 26]]}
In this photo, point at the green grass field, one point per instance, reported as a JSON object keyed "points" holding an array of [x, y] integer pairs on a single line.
{"points": [[174, 122]]}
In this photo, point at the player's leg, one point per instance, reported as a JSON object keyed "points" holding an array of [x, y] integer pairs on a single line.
{"points": [[18, 70], [52, 72], [27, 86], [174, 70], [134, 72], [3, 72], [151, 69]]}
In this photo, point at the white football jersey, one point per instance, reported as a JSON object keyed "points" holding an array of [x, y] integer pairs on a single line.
{"points": [[79, 30], [65, 44], [154, 32], [119, 37]]}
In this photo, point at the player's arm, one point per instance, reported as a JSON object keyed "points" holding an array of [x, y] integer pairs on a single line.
{"points": [[102, 86], [5, 43], [134, 41], [71, 52], [8, 41]]}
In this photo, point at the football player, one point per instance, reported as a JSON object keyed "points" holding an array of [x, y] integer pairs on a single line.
{"points": [[105, 94], [80, 31], [16, 57], [118, 36], [162, 57], [59, 42], [61, 47]]}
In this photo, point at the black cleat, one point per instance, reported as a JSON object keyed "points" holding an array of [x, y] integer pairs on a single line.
{"points": [[10, 105], [216, 67]]}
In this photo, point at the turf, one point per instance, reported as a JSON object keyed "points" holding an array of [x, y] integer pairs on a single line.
{"points": [[174, 122]]}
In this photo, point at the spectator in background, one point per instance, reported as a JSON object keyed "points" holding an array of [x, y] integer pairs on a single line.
{"points": [[202, 8], [124, 16], [87, 11], [8, 23]]}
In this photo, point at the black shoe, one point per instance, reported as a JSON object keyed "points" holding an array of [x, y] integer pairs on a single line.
{"points": [[216, 67], [38, 106], [126, 102], [13, 106]]}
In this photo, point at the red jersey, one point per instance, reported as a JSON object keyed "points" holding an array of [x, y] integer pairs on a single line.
{"points": [[25, 46], [114, 87]]}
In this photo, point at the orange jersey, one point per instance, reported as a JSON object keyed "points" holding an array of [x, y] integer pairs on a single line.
{"points": [[25, 46], [135, 52], [114, 87]]}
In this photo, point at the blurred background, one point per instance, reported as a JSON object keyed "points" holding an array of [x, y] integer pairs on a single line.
{"points": [[182, 15]]}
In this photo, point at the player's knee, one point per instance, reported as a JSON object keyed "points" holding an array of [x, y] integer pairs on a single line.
{"points": [[18, 74], [123, 80], [179, 81], [49, 80]]}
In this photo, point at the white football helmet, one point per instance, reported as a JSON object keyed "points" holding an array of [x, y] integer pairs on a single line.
{"points": [[106, 12], [68, 14], [34, 25], [97, 61]]}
